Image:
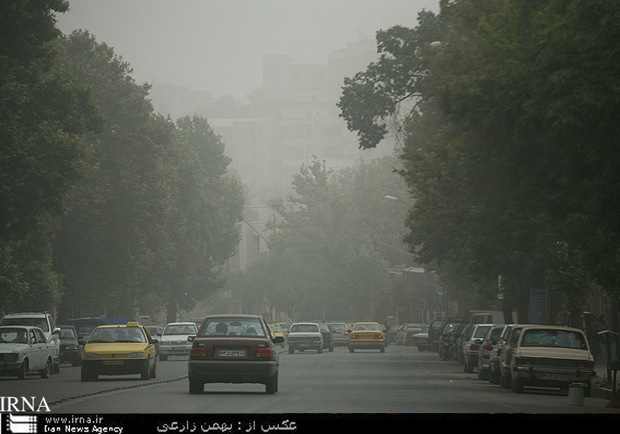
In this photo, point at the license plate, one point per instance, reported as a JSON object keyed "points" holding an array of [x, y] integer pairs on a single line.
{"points": [[231, 353], [556, 377], [113, 362]]}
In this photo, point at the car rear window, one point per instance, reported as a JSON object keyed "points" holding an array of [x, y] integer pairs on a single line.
{"points": [[246, 327], [554, 338], [304, 328]]}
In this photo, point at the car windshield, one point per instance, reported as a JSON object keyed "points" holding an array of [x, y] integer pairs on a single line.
{"points": [[117, 334], [246, 327], [13, 336], [276, 328], [34, 322], [304, 328], [554, 338], [180, 329], [366, 326], [338, 327], [67, 334]]}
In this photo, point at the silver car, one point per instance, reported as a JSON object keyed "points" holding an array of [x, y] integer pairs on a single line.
{"points": [[173, 340], [340, 334]]}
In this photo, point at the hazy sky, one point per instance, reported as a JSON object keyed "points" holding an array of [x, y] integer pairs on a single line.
{"points": [[218, 45]]}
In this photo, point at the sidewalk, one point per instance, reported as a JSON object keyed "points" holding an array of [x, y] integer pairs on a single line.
{"points": [[601, 387]]}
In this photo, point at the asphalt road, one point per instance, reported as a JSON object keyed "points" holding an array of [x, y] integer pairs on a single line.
{"points": [[401, 381]]}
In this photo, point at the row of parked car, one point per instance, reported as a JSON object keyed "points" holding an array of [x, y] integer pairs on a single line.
{"points": [[518, 356]]}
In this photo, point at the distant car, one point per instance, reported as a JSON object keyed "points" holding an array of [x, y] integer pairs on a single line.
{"points": [[276, 331], [328, 337], [420, 339], [70, 349], [304, 336], [490, 340], [472, 344], [154, 330], [551, 356], [340, 333], [234, 348], [495, 355], [173, 340], [45, 322], [405, 335], [25, 349], [119, 350], [367, 336]]}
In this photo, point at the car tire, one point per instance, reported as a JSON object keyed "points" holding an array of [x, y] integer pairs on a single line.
{"points": [[516, 385], [154, 370], [272, 385], [47, 370], [56, 368], [320, 350], [291, 350], [21, 372], [145, 372], [195, 386]]}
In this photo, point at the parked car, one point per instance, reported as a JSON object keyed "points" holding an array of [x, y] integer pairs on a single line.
{"points": [[494, 356], [490, 340], [435, 329], [420, 339], [405, 333], [42, 320], [304, 336], [461, 335], [119, 350], [70, 349], [551, 356], [367, 336], [472, 344], [506, 354], [25, 349], [173, 340], [340, 333], [234, 348]]}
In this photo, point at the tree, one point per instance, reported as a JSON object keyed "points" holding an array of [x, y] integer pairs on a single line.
{"points": [[44, 114]]}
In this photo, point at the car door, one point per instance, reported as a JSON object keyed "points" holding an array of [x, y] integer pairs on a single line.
{"points": [[38, 344]]}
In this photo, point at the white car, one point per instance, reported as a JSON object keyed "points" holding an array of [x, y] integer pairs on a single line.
{"points": [[173, 340], [304, 336], [42, 320], [551, 356], [25, 349]]}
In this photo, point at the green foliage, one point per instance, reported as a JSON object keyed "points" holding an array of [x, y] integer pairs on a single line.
{"points": [[322, 262], [44, 115], [512, 143]]}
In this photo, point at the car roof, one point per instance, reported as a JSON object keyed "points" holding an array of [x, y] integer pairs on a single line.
{"points": [[18, 314], [233, 315], [177, 323]]}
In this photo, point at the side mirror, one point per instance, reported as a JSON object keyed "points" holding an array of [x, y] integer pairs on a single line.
{"points": [[278, 340], [56, 331], [191, 338]]}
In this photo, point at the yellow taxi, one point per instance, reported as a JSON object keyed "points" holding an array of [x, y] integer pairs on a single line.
{"points": [[119, 350], [276, 331], [367, 335]]}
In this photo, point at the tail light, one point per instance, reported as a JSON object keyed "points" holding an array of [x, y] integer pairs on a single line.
{"points": [[475, 347], [488, 347], [264, 353], [585, 364], [198, 353]]}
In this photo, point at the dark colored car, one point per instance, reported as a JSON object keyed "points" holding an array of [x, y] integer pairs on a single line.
{"points": [[328, 337], [70, 349], [233, 348]]}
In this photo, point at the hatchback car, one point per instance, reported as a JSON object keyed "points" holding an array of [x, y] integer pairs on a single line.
{"points": [[119, 350], [551, 356], [490, 340], [471, 345], [304, 336], [367, 336], [233, 349], [340, 333]]}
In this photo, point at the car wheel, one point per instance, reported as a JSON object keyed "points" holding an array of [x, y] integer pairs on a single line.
{"points": [[320, 350], [145, 373], [195, 386], [56, 368], [154, 370], [291, 350], [21, 372], [516, 385], [272, 385], [45, 372]]}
